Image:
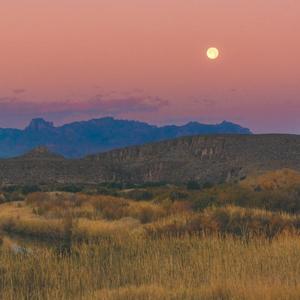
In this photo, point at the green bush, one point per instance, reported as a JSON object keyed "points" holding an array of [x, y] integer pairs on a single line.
{"points": [[10, 188], [193, 185], [28, 189], [72, 188]]}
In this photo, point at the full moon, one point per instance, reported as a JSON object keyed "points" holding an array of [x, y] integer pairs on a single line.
{"points": [[212, 53]]}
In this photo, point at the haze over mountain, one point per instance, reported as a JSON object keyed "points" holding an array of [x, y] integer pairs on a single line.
{"points": [[98, 135]]}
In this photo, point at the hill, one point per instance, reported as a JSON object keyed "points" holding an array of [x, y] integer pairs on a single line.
{"points": [[214, 158], [82, 138]]}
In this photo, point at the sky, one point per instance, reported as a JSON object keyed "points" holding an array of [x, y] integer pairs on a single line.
{"points": [[67, 60]]}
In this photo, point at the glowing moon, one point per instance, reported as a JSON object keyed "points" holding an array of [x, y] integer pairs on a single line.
{"points": [[212, 53]]}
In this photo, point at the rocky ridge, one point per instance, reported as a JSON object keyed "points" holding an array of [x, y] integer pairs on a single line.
{"points": [[214, 158]]}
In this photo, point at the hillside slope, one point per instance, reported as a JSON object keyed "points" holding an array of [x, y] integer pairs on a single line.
{"points": [[203, 158]]}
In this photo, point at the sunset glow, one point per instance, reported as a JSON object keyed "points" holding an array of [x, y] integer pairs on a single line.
{"points": [[146, 60]]}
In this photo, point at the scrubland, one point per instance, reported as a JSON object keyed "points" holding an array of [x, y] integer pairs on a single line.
{"points": [[230, 241]]}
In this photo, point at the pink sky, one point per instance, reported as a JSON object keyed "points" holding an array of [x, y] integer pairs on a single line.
{"points": [[145, 59]]}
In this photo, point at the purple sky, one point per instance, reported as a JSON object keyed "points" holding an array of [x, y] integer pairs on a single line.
{"points": [[146, 60]]}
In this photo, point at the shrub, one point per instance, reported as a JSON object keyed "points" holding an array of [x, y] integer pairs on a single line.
{"points": [[178, 195], [207, 185], [139, 195], [72, 188], [114, 185], [231, 220], [109, 207], [28, 189], [203, 201], [179, 207], [146, 212], [10, 188], [193, 185], [152, 184], [15, 196]]}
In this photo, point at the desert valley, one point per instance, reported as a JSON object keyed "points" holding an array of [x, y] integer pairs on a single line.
{"points": [[149, 150]]}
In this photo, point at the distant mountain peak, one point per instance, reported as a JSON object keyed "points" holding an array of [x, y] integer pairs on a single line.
{"points": [[226, 122], [39, 124], [82, 138]]}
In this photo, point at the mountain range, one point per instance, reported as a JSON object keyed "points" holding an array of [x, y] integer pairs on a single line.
{"points": [[79, 139]]}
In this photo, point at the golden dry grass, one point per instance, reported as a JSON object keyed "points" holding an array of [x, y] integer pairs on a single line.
{"points": [[274, 180], [18, 218], [43, 215], [55, 205], [242, 222], [219, 253], [170, 268]]}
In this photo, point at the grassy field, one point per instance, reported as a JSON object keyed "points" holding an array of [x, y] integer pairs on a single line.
{"points": [[169, 268], [220, 242]]}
